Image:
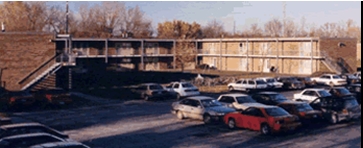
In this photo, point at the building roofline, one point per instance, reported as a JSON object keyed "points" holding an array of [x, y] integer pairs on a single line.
{"points": [[42, 33]]}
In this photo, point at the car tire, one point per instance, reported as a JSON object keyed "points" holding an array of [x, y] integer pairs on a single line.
{"points": [[265, 129], [334, 119], [231, 123], [207, 119], [180, 115], [230, 88]]}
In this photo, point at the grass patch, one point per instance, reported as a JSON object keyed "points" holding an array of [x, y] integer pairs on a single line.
{"points": [[213, 89]]}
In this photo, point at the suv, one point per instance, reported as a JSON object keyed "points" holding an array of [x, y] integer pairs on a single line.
{"points": [[337, 109], [247, 85], [183, 89], [291, 83]]}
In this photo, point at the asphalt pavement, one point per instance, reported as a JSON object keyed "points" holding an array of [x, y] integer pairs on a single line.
{"points": [[142, 124]]}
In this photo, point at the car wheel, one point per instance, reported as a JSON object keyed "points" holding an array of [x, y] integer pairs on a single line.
{"points": [[207, 119], [180, 115], [230, 88], [265, 129], [231, 123], [334, 119]]}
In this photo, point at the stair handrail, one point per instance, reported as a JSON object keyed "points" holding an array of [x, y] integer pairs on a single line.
{"points": [[344, 64], [331, 62], [45, 65]]}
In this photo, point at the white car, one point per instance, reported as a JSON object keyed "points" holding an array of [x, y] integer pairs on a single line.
{"points": [[330, 79], [183, 89], [247, 85], [310, 94], [357, 74], [272, 82], [237, 101]]}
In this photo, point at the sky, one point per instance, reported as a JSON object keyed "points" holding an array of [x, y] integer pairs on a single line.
{"points": [[242, 13]]}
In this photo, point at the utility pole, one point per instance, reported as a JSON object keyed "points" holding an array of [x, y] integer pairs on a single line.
{"points": [[284, 13], [66, 17]]}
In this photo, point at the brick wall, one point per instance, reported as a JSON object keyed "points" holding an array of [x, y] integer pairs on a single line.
{"points": [[359, 55], [347, 52], [22, 53]]}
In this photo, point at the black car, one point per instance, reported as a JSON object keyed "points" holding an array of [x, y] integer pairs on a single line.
{"points": [[269, 98], [356, 89], [350, 78], [336, 109], [290, 83], [27, 128], [27, 140], [303, 110]]}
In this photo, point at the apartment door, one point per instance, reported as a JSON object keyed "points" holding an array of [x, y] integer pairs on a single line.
{"points": [[243, 64]]}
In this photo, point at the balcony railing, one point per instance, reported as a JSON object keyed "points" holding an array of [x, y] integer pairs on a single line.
{"points": [[260, 53]]}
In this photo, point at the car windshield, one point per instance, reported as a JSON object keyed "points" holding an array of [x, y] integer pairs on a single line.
{"points": [[276, 111], [303, 107], [343, 91], [270, 80], [307, 79], [351, 102], [154, 87], [278, 97], [336, 77], [210, 103], [352, 77], [260, 82], [245, 99], [187, 85], [324, 93]]}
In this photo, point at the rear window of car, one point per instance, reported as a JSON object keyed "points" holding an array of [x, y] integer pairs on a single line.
{"points": [[187, 85], [276, 111], [303, 107], [245, 99], [336, 77]]}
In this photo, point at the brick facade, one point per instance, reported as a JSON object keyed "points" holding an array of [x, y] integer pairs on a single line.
{"points": [[22, 53]]}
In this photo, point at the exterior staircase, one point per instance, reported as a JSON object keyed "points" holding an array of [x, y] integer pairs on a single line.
{"points": [[331, 64], [45, 70]]}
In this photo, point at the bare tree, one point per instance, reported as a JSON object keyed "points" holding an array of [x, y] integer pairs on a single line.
{"points": [[185, 53], [213, 29], [273, 28]]}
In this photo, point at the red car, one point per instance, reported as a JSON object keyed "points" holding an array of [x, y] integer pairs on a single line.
{"points": [[264, 118]]}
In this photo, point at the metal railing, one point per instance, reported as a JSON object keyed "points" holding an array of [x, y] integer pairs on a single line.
{"points": [[39, 70], [261, 52], [331, 62], [344, 65]]}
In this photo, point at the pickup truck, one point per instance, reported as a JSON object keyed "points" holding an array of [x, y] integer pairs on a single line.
{"points": [[247, 85], [330, 80]]}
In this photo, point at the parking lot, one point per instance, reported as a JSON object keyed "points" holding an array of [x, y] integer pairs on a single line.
{"points": [[137, 123]]}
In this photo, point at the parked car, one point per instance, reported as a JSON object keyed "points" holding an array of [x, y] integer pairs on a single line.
{"points": [[269, 98], [206, 66], [357, 90], [247, 85], [337, 109], [27, 128], [271, 82], [53, 96], [307, 81], [330, 80], [27, 140], [60, 145], [237, 101], [358, 74], [17, 99], [303, 110], [310, 94], [200, 107], [350, 78], [149, 91], [264, 118], [5, 121], [183, 89], [290, 83], [339, 92]]}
